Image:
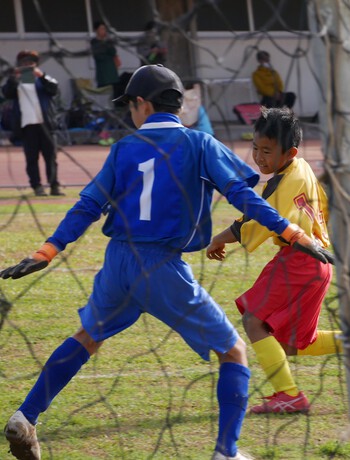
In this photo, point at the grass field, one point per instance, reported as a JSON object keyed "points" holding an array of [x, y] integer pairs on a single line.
{"points": [[145, 395]]}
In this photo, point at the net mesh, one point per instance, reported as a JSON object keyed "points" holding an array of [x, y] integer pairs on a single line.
{"points": [[145, 394]]}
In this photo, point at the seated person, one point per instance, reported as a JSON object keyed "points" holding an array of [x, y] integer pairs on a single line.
{"points": [[193, 114], [269, 84]]}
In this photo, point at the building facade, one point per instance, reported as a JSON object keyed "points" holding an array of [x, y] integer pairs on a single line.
{"points": [[215, 42]]}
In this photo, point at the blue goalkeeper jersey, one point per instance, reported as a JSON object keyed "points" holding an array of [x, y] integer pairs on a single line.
{"points": [[156, 186]]}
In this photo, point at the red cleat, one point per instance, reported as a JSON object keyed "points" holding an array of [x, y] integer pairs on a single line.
{"points": [[281, 403]]}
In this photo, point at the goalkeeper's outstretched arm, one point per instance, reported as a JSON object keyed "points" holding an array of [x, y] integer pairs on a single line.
{"points": [[76, 221]]}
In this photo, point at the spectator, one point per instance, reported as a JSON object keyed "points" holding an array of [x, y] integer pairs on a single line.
{"points": [[269, 84], [32, 92], [106, 59], [150, 48]]}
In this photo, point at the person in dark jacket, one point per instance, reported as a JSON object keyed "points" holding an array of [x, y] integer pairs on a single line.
{"points": [[32, 92], [106, 59]]}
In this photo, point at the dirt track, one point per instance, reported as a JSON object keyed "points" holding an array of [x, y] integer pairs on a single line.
{"points": [[79, 163]]}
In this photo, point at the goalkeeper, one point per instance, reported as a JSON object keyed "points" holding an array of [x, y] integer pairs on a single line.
{"points": [[282, 309], [156, 188]]}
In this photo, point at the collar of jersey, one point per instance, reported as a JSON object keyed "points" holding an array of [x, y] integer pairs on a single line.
{"points": [[162, 120]]}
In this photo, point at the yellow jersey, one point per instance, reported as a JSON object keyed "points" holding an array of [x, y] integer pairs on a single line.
{"points": [[299, 197]]}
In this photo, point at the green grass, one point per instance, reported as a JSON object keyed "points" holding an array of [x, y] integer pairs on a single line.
{"points": [[145, 395]]}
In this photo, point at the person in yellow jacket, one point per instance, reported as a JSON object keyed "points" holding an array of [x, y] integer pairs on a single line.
{"points": [[282, 309], [269, 84]]}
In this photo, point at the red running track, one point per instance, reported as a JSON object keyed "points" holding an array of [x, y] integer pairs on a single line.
{"points": [[77, 164]]}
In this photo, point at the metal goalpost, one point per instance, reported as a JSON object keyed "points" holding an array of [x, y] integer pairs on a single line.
{"points": [[330, 28]]}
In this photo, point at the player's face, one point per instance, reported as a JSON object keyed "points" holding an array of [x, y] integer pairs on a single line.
{"points": [[268, 155]]}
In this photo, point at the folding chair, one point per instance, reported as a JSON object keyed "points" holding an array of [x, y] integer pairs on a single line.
{"points": [[247, 113]]}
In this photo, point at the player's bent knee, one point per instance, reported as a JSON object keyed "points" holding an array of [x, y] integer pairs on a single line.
{"points": [[87, 341], [251, 324], [237, 354], [248, 321], [289, 350]]}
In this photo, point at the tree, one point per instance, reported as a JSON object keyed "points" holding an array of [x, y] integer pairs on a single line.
{"points": [[180, 57]]}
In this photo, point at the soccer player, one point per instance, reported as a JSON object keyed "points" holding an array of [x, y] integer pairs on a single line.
{"points": [[156, 187], [281, 310]]}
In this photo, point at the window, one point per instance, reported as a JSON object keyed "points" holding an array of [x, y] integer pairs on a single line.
{"points": [[130, 16], [7, 17], [280, 14], [223, 15], [56, 15]]}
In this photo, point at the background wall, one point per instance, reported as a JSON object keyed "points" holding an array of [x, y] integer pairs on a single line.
{"points": [[214, 41]]}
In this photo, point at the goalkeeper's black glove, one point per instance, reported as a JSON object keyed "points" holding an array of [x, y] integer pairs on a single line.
{"points": [[25, 267], [39, 260], [317, 252], [296, 237]]}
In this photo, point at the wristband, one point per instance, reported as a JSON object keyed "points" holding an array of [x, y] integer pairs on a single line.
{"points": [[292, 233], [46, 252], [236, 229]]}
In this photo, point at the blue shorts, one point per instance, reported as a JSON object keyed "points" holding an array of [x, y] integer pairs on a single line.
{"points": [[149, 278]]}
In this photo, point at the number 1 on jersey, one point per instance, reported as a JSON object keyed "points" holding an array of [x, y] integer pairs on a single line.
{"points": [[147, 167]]}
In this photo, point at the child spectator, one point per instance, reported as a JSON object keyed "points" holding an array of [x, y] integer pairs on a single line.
{"points": [[269, 84], [106, 58]]}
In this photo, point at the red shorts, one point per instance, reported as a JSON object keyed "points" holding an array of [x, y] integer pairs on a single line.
{"points": [[288, 296]]}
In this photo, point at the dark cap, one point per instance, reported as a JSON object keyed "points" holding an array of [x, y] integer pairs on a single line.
{"points": [[154, 83]]}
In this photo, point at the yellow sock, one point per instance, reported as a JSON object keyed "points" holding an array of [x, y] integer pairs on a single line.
{"points": [[274, 363], [326, 343]]}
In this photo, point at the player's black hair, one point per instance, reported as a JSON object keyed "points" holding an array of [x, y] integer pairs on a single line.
{"points": [[169, 95], [280, 124]]}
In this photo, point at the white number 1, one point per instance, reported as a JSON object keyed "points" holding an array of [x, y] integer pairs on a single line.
{"points": [[147, 168]]}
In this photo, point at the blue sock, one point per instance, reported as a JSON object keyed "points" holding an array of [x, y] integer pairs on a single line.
{"points": [[60, 368], [232, 394]]}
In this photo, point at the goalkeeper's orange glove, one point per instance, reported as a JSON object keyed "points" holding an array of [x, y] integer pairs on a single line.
{"points": [[39, 260], [296, 237]]}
